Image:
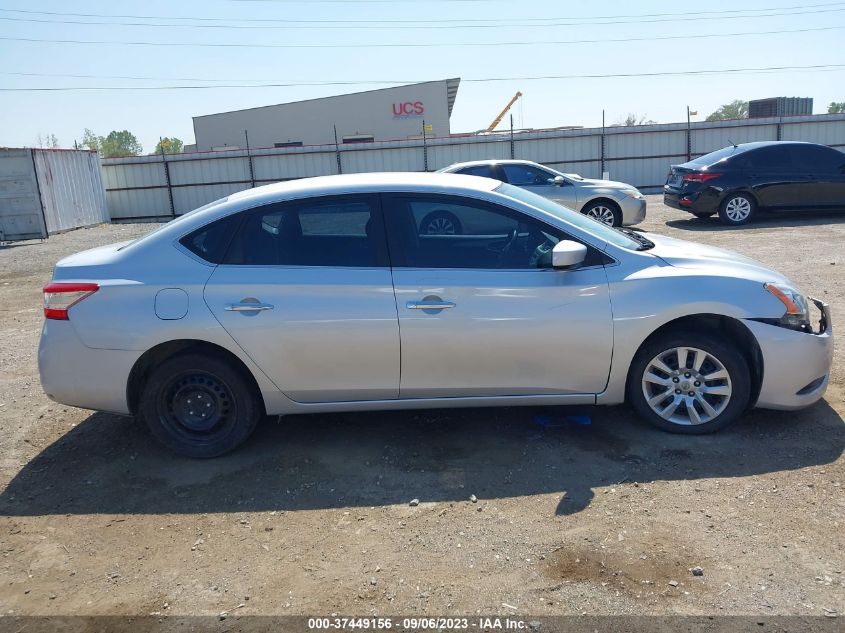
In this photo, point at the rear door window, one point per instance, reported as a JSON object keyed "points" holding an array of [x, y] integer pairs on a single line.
{"points": [[331, 231], [774, 158]]}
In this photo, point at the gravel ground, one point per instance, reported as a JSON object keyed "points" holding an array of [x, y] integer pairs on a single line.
{"points": [[312, 516]]}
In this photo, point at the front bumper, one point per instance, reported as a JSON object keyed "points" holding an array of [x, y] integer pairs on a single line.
{"points": [[633, 210], [80, 376], [796, 365]]}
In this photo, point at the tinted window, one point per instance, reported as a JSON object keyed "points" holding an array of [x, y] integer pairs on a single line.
{"points": [[818, 159], [211, 241], [719, 155], [478, 170], [325, 232], [482, 235], [525, 175], [775, 158]]}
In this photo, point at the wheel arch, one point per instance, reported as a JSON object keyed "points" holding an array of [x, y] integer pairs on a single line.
{"points": [[601, 198], [156, 355], [720, 324]]}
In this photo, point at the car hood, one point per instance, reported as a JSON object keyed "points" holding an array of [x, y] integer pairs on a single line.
{"points": [[712, 260]]}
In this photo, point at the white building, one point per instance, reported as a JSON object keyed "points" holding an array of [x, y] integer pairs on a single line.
{"points": [[374, 115]]}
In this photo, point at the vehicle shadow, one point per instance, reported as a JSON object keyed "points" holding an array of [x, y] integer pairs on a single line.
{"points": [[108, 464], [762, 221]]}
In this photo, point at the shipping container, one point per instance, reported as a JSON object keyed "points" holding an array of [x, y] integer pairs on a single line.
{"points": [[45, 191]]}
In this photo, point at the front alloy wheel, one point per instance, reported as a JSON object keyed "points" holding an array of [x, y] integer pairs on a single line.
{"points": [[689, 382], [686, 385], [604, 213]]}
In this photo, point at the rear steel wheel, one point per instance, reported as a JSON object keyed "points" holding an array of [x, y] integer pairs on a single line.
{"points": [[199, 406]]}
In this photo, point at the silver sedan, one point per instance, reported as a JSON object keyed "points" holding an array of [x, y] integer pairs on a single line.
{"points": [[324, 295], [613, 203]]}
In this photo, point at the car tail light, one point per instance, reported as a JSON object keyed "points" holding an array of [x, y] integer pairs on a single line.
{"points": [[59, 297], [700, 177]]}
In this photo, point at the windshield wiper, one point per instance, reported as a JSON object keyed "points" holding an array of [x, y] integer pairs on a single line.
{"points": [[643, 241]]}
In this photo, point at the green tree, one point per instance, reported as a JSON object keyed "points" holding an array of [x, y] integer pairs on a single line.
{"points": [[169, 145], [117, 143], [90, 140], [736, 109], [121, 143], [836, 107]]}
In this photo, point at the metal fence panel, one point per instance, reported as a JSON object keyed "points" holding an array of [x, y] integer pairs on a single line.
{"points": [[640, 155], [71, 187]]}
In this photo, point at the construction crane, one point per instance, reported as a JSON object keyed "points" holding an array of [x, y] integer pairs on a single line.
{"points": [[502, 114]]}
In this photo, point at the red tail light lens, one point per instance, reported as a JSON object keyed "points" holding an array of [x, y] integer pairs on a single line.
{"points": [[700, 177], [60, 297]]}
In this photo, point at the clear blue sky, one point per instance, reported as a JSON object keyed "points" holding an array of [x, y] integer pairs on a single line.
{"points": [[547, 103]]}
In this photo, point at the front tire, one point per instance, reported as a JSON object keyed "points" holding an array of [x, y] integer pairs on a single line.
{"points": [[689, 383], [199, 406], [604, 212], [737, 209]]}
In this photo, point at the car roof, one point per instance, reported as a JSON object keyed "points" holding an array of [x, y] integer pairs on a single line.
{"points": [[758, 144], [492, 161], [363, 183]]}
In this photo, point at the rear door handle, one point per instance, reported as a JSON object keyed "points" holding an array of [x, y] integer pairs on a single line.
{"points": [[429, 305], [247, 307]]}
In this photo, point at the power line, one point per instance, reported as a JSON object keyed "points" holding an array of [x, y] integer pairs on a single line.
{"points": [[550, 23], [679, 73], [578, 20], [420, 45]]}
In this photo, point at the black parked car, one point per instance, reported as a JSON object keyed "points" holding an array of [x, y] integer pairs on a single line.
{"points": [[738, 181]]}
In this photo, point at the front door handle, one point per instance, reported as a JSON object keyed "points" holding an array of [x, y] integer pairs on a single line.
{"points": [[429, 305], [247, 307]]}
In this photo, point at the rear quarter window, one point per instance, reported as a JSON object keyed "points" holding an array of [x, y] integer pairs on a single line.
{"points": [[211, 242]]}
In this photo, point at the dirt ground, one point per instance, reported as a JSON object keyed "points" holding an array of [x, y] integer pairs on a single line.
{"points": [[312, 516]]}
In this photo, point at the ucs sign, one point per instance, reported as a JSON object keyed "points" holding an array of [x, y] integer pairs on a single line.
{"points": [[408, 108]]}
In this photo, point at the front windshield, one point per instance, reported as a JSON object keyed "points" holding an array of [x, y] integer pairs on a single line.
{"points": [[593, 227]]}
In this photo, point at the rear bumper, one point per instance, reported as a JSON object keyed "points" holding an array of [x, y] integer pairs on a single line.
{"points": [[692, 201], [796, 365], [80, 376]]}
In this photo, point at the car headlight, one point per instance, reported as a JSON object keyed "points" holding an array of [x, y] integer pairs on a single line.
{"points": [[633, 193], [797, 315]]}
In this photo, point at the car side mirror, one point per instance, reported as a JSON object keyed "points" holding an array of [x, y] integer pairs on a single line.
{"points": [[560, 181], [567, 255]]}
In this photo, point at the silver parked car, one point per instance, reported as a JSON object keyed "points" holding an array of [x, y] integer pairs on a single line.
{"points": [[324, 295], [610, 202]]}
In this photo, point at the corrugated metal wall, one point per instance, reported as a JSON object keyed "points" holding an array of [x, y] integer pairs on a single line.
{"points": [[44, 191], [71, 188], [137, 187]]}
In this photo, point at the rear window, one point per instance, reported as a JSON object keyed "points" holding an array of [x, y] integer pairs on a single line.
{"points": [[715, 157]]}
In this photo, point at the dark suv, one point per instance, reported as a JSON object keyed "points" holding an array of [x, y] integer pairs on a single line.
{"points": [[738, 181]]}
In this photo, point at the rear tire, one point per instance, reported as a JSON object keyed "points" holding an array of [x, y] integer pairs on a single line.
{"points": [[720, 384], [605, 212], [199, 406], [737, 209]]}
